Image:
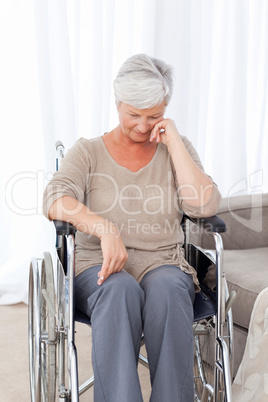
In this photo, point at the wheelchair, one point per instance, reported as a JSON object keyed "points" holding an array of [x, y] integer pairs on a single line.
{"points": [[52, 315]]}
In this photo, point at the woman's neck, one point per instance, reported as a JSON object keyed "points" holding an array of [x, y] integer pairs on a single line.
{"points": [[128, 153]]}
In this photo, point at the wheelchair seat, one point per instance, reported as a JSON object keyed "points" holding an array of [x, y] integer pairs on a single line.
{"points": [[203, 308]]}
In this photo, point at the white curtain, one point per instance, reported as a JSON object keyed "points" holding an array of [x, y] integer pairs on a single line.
{"points": [[58, 62]]}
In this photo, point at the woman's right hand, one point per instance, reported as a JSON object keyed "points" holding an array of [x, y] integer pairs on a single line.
{"points": [[114, 252]]}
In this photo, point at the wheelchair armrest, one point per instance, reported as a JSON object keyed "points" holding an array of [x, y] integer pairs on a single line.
{"points": [[64, 228], [210, 224]]}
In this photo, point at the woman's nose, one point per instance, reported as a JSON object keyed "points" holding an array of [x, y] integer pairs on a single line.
{"points": [[143, 127]]}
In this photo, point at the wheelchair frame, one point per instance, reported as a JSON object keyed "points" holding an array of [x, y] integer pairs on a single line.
{"points": [[223, 352], [52, 319]]}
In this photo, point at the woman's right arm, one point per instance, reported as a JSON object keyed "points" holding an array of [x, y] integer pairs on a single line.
{"points": [[70, 210]]}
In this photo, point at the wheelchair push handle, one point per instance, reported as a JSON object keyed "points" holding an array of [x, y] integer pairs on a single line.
{"points": [[60, 153]]}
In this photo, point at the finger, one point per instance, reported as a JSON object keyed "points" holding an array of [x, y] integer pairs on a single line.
{"points": [[106, 271], [157, 135], [159, 128], [101, 279], [108, 268], [154, 135], [102, 274], [153, 132]]}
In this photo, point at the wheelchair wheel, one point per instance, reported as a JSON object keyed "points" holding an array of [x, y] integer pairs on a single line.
{"points": [[34, 331], [204, 360], [42, 334], [204, 341], [48, 331]]}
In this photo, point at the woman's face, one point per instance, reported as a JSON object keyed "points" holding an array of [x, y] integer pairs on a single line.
{"points": [[137, 124]]}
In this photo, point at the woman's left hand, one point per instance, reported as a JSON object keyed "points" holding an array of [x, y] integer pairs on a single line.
{"points": [[166, 132], [195, 187]]}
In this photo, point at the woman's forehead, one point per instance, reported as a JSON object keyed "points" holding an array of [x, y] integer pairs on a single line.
{"points": [[150, 112]]}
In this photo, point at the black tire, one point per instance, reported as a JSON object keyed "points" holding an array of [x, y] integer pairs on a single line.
{"points": [[48, 331], [42, 331], [34, 331]]}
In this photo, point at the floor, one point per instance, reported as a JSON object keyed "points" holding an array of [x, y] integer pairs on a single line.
{"points": [[14, 366]]}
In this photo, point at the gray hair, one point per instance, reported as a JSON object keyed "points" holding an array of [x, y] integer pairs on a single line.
{"points": [[144, 82]]}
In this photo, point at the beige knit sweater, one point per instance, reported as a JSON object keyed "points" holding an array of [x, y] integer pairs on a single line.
{"points": [[145, 205]]}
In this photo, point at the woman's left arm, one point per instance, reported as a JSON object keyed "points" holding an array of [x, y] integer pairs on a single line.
{"points": [[195, 186]]}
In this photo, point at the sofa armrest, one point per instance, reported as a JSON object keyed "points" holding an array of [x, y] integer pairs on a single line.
{"points": [[246, 218]]}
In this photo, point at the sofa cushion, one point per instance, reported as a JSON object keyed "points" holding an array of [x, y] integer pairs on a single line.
{"points": [[247, 274]]}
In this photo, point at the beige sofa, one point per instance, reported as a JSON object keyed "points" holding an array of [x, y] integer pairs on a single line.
{"points": [[245, 258]]}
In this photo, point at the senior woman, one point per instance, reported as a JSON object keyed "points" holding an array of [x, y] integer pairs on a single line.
{"points": [[125, 192]]}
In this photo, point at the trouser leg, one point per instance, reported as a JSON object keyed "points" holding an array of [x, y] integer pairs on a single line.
{"points": [[168, 318], [115, 309]]}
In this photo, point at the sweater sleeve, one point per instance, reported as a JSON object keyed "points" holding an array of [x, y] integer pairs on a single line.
{"points": [[72, 179], [211, 207]]}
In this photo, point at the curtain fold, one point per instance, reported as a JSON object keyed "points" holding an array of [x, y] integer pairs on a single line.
{"points": [[59, 60]]}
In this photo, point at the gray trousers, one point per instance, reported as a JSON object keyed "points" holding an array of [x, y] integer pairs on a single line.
{"points": [[161, 307]]}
